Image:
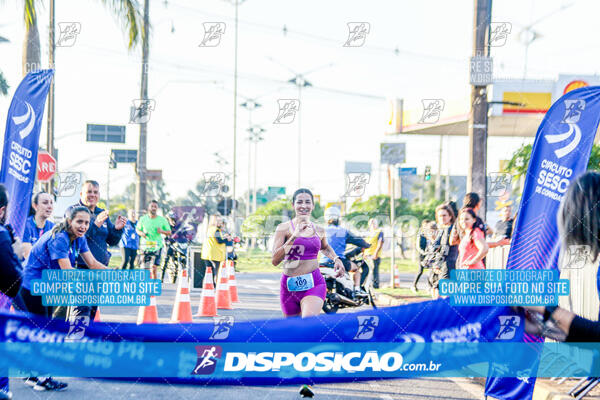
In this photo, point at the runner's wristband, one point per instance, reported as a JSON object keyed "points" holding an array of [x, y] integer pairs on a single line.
{"points": [[548, 311]]}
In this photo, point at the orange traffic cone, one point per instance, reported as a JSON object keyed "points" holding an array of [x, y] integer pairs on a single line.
{"points": [[97, 317], [148, 314], [12, 309], [182, 309], [223, 296], [232, 284], [208, 307]]}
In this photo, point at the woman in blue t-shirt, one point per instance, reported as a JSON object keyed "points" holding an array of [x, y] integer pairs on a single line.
{"points": [[38, 221], [57, 249]]}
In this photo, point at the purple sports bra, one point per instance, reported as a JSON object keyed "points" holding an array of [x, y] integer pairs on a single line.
{"points": [[305, 248]]}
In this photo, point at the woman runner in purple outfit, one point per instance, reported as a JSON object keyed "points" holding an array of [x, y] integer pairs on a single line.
{"points": [[297, 243]]}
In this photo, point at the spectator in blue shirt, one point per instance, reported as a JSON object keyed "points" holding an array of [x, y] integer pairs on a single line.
{"points": [[130, 241], [38, 221], [58, 248], [102, 232]]}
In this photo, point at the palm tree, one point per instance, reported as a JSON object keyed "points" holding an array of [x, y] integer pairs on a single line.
{"points": [[3, 84], [127, 12]]}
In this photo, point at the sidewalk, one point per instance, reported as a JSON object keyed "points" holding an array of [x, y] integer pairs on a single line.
{"points": [[545, 389]]}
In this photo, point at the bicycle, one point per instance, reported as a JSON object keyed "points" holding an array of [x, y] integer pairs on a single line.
{"points": [[148, 256], [175, 259]]}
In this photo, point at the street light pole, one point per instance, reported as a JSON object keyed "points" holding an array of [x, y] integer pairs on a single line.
{"points": [[255, 136], [250, 105], [300, 82], [50, 127], [476, 180], [235, 81], [299, 137], [140, 188]]}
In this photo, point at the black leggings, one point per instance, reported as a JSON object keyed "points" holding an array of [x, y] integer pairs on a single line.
{"points": [[418, 276], [215, 270], [128, 257], [33, 304]]}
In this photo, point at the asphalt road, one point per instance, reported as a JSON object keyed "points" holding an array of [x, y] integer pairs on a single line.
{"points": [[259, 300]]}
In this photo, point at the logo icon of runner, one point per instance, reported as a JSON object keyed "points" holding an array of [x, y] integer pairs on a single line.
{"points": [[508, 326], [432, 110], [222, 327], [366, 327], [77, 327], [287, 111], [357, 33], [207, 359], [577, 256], [573, 109], [212, 34]]}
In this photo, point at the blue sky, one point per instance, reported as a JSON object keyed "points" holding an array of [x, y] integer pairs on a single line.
{"points": [[343, 113]]}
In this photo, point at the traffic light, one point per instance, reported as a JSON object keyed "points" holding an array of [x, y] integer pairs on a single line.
{"points": [[427, 173]]}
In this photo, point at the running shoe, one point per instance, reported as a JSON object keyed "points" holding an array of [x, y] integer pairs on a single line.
{"points": [[414, 289], [306, 391], [5, 395], [31, 381], [50, 384]]}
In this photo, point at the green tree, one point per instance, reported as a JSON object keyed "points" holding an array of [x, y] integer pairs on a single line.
{"points": [[519, 162], [266, 218], [128, 13], [158, 192], [379, 207], [3, 83]]}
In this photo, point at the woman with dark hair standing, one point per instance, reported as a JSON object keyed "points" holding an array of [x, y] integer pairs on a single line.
{"points": [[578, 224], [38, 222], [473, 247], [297, 243], [447, 253], [56, 249], [10, 273]]}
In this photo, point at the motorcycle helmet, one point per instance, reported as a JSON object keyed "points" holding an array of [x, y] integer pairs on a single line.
{"points": [[332, 215]]}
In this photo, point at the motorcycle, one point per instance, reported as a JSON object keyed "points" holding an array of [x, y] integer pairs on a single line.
{"points": [[340, 290], [231, 254]]}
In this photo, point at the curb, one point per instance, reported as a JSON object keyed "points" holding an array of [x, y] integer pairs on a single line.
{"points": [[382, 299], [542, 390]]}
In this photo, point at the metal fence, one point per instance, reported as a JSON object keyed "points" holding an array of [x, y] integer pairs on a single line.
{"points": [[583, 296]]}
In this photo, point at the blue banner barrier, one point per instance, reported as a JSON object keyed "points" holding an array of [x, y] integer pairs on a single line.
{"points": [[21, 140], [560, 154], [351, 340]]}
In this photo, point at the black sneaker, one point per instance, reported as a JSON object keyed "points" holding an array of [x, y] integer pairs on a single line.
{"points": [[31, 381], [50, 384], [306, 391]]}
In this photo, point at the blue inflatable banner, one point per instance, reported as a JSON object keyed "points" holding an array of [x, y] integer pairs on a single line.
{"points": [[21, 141], [428, 338], [560, 154]]}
